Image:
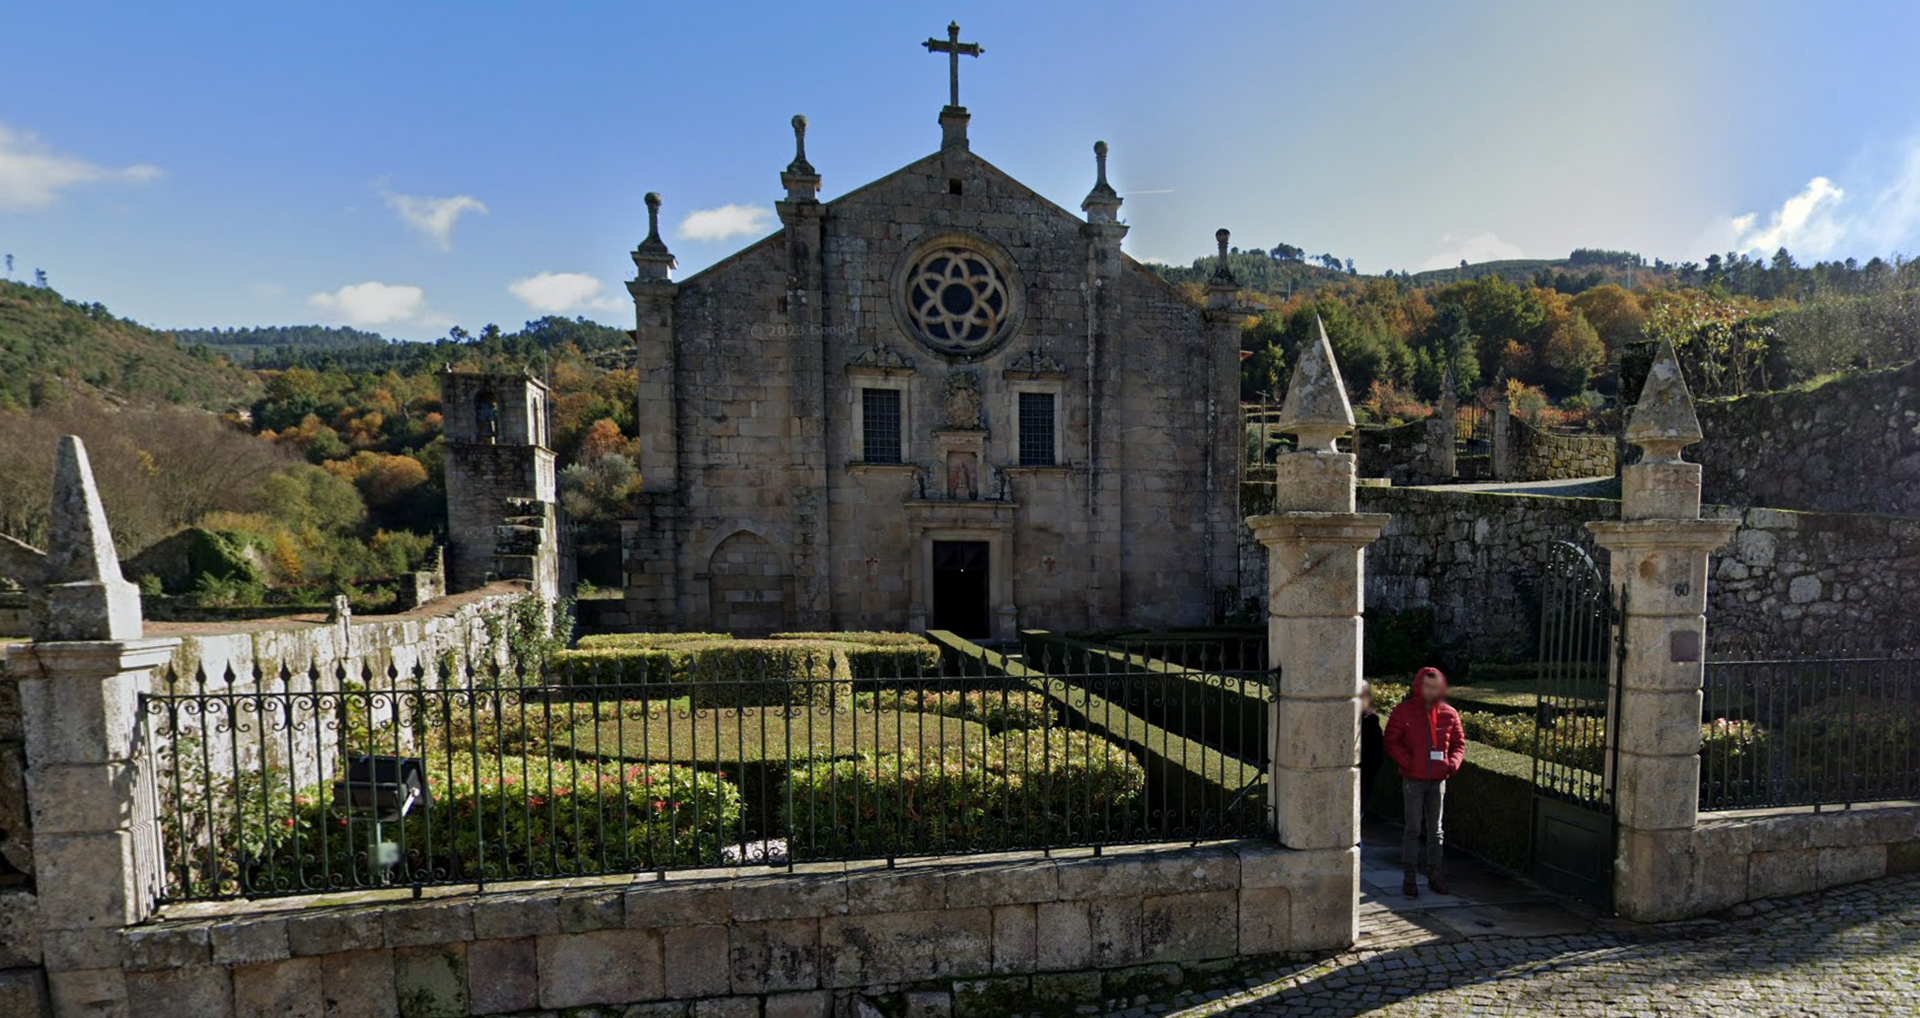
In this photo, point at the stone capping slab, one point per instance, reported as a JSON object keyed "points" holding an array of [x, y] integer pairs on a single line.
{"points": [[277, 928], [1776, 830]]}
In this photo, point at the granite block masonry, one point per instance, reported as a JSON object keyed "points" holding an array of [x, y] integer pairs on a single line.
{"points": [[1657, 554], [937, 400], [1315, 577], [956, 936], [90, 800]]}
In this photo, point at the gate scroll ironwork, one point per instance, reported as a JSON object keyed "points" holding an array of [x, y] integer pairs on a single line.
{"points": [[1576, 700]]}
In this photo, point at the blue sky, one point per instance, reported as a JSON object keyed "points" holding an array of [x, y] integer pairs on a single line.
{"points": [[406, 167]]}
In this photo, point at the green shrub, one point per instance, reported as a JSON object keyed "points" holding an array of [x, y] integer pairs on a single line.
{"points": [[715, 673], [1021, 787], [521, 817], [650, 640], [1745, 744], [997, 709], [909, 663], [865, 637], [1843, 738]]}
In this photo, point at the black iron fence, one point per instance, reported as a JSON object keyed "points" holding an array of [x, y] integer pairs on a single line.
{"points": [[635, 760], [1810, 732]]}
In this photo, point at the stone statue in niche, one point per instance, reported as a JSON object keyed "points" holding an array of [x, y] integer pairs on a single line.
{"points": [[963, 401], [963, 480]]}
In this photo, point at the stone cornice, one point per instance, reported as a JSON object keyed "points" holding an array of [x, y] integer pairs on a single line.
{"points": [[1352, 529], [1662, 535]]}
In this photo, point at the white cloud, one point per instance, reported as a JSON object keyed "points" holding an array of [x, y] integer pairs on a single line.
{"points": [[554, 292], [433, 217], [32, 175], [372, 304], [1809, 223], [1481, 247], [725, 221], [1876, 213]]}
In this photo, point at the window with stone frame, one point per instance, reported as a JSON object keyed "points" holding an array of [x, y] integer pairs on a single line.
{"points": [[880, 425], [1036, 429]]}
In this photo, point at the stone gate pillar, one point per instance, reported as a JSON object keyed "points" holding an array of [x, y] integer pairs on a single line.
{"points": [[95, 844], [1314, 541], [1442, 431], [1500, 451], [1658, 564]]}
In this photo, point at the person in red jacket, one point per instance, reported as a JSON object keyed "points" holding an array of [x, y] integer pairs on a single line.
{"points": [[1425, 739]]}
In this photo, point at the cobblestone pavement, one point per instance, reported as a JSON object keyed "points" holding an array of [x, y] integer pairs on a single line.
{"points": [[1852, 951]]}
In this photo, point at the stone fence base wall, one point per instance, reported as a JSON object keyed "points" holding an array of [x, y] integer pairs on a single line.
{"points": [[1727, 860], [957, 936]]}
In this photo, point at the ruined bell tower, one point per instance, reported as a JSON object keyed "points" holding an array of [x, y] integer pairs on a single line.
{"points": [[502, 507]]}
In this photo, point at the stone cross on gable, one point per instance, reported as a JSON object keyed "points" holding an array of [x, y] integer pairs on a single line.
{"points": [[954, 49]]}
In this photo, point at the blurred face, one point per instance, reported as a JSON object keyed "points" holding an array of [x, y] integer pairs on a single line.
{"points": [[1432, 688], [1366, 699]]}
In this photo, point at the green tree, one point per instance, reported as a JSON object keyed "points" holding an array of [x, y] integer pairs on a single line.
{"points": [[304, 495], [1572, 354]]}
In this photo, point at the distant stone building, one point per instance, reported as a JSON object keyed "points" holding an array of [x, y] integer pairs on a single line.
{"points": [[503, 518], [937, 401]]}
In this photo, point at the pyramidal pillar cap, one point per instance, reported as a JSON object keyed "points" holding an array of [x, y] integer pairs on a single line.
{"points": [[1316, 411], [85, 597], [1663, 422]]}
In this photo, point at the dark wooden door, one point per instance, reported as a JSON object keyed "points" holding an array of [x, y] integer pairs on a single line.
{"points": [[960, 588]]}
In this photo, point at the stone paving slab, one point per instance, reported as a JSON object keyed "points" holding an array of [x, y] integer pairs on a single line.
{"points": [[1853, 951]]}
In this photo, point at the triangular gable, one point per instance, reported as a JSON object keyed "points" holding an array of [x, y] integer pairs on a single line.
{"points": [[920, 165]]}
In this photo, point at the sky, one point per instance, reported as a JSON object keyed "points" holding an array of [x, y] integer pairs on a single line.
{"points": [[406, 168]]}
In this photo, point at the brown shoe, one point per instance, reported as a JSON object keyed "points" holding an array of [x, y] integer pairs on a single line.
{"points": [[1411, 886], [1437, 882]]}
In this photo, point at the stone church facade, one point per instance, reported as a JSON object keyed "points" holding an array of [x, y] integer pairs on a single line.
{"points": [[937, 401]]}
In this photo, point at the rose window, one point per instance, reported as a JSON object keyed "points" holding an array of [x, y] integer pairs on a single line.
{"points": [[957, 300]]}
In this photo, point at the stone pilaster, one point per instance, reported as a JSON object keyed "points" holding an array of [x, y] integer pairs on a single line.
{"points": [[1658, 563], [653, 291], [649, 540], [1106, 378], [1442, 430], [1226, 319], [805, 220], [1500, 435], [1315, 582], [96, 845]]}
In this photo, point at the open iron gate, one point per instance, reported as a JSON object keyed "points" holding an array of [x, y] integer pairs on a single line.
{"points": [[1573, 808]]}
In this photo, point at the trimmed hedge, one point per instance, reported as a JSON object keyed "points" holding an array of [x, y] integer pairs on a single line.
{"points": [[869, 655], [1020, 787], [650, 640], [1189, 784], [997, 709], [1225, 712], [718, 673], [521, 817], [863, 637]]}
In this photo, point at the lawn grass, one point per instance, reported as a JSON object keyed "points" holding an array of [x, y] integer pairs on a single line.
{"points": [[633, 731]]}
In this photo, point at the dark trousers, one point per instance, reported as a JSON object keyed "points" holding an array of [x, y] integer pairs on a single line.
{"points": [[1421, 803]]}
